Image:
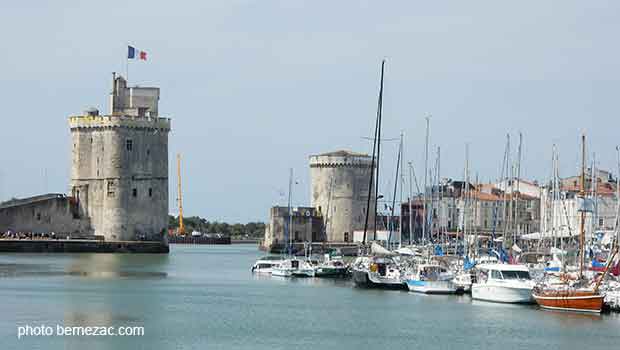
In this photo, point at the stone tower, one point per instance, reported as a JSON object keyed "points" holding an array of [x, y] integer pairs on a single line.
{"points": [[119, 169], [340, 192]]}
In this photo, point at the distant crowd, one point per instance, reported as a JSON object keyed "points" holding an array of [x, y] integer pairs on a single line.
{"points": [[31, 235]]}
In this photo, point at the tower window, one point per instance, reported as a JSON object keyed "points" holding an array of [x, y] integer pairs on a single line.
{"points": [[134, 192], [111, 188], [150, 192], [129, 144], [148, 152]]}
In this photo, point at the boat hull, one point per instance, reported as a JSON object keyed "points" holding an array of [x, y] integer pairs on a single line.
{"points": [[362, 279], [330, 272], [431, 287], [303, 273], [282, 272], [570, 301], [501, 294]]}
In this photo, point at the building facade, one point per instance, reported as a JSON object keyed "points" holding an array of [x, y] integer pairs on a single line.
{"points": [[306, 225], [339, 192], [119, 167], [560, 213]]}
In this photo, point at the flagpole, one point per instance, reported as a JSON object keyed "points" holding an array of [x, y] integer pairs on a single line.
{"points": [[127, 63]]}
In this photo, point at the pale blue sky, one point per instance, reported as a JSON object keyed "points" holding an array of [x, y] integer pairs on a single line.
{"points": [[254, 87]]}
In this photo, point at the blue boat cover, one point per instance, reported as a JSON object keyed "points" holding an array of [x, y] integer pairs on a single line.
{"points": [[438, 250], [468, 264]]}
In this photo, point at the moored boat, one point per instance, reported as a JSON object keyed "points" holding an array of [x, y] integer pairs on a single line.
{"points": [[577, 294], [503, 283], [569, 299], [431, 279], [266, 264], [377, 272], [286, 268], [331, 268], [304, 269]]}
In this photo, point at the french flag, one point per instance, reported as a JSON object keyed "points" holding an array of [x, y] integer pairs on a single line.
{"points": [[133, 54]]}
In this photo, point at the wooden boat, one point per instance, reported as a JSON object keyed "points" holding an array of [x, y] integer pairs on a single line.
{"points": [[574, 295], [569, 300]]}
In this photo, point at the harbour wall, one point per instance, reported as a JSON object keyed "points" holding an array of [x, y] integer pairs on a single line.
{"points": [[81, 246], [199, 240], [44, 214]]}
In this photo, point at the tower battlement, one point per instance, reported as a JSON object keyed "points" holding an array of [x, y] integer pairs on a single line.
{"points": [[119, 168], [340, 183]]}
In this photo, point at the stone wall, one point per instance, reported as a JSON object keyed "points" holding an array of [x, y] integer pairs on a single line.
{"points": [[307, 226], [44, 214], [340, 182]]}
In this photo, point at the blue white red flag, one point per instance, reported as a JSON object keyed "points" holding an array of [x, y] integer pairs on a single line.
{"points": [[135, 54]]}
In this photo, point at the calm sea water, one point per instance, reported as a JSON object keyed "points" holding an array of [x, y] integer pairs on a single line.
{"points": [[204, 297]]}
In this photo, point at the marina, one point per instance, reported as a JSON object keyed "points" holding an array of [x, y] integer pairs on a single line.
{"points": [[229, 307], [266, 175]]}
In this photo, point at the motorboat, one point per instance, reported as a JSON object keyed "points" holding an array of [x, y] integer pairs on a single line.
{"points": [[431, 279], [463, 280], [503, 283], [304, 269], [286, 268], [265, 264], [331, 268]]}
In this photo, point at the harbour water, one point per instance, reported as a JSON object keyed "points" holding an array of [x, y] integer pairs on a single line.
{"points": [[205, 297]]}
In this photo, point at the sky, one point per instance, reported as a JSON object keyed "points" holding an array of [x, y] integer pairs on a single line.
{"points": [[255, 87]]}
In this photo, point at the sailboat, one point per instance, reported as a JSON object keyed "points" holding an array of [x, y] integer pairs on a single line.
{"points": [[289, 266], [379, 269], [573, 295]]}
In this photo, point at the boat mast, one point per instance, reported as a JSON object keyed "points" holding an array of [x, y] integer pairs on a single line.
{"points": [[402, 187], [372, 162], [518, 192], [593, 192], [424, 211], [505, 188], [412, 180], [439, 193], [582, 194], [400, 147], [329, 200], [181, 230], [290, 213], [466, 202]]}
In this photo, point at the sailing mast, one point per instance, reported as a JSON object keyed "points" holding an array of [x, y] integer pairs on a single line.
{"points": [[402, 187], [181, 230], [290, 213], [398, 161], [518, 192], [466, 201], [582, 194], [372, 163], [424, 211]]}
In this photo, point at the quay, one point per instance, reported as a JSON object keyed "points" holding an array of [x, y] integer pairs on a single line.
{"points": [[81, 246], [199, 240]]}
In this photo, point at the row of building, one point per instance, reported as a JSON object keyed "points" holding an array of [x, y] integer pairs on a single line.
{"points": [[511, 208]]}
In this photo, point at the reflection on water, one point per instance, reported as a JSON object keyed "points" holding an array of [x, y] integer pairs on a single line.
{"points": [[90, 266], [205, 297]]}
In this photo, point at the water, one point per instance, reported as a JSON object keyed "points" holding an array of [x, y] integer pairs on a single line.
{"points": [[204, 297]]}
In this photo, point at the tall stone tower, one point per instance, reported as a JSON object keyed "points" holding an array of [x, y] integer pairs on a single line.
{"points": [[119, 169], [340, 192]]}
